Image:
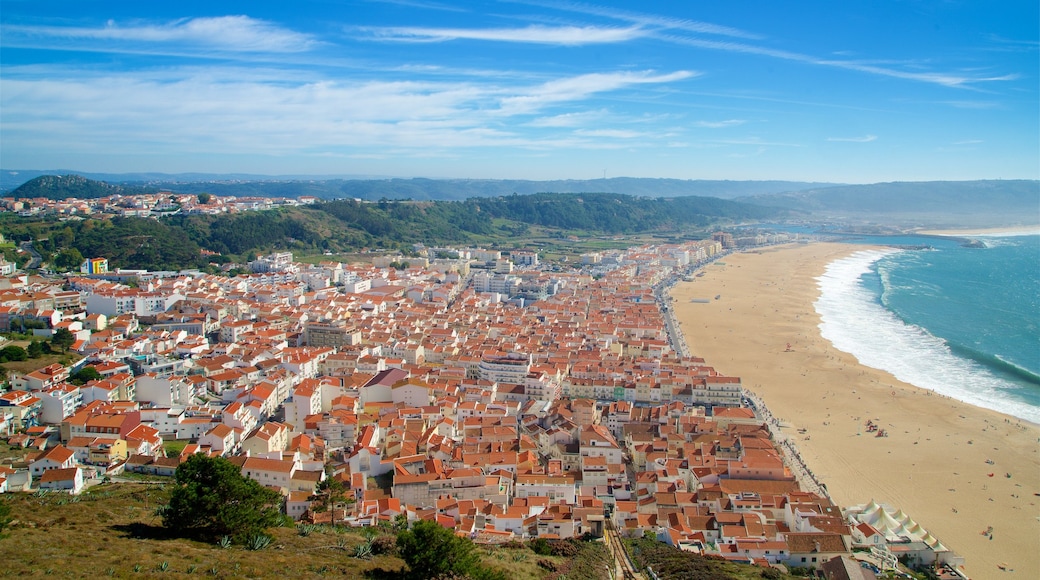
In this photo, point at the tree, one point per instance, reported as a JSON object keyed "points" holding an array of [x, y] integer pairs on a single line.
{"points": [[431, 550], [212, 499], [331, 490], [68, 259], [13, 353], [203, 198], [85, 375], [35, 349], [63, 339]]}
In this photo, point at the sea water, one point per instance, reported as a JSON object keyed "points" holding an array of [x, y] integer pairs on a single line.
{"points": [[961, 321]]}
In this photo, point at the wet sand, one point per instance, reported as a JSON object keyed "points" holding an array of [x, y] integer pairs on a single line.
{"points": [[933, 464]]}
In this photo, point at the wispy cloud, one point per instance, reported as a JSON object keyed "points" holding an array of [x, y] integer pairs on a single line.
{"points": [[755, 141], [973, 104], [968, 142], [610, 133], [939, 78], [227, 33], [253, 115], [423, 5], [863, 139], [568, 119], [648, 20], [534, 34], [720, 124], [580, 87]]}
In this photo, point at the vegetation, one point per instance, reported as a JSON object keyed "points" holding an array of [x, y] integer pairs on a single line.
{"points": [[453, 189], [177, 241], [65, 186], [63, 339], [46, 358], [212, 499], [615, 213], [68, 259], [84, 375], [13, 352], [432, 551], [675, 564], [113, 528], [5, 517], [36, 349], [331, 491]]}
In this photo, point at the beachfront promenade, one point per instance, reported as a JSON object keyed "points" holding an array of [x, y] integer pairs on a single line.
{"points": [[787, 445]]}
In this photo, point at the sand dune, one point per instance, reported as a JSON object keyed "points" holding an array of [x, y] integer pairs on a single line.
{"points": [[933, 464]]}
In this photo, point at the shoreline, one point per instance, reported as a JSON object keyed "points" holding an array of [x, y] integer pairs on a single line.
{"points": [[843, 296], [934, 463], [983, 232]]}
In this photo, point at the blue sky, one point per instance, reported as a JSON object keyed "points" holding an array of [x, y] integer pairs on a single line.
{"points": [[858, 91]]}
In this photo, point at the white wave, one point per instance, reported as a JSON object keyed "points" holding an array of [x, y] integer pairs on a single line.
{"points": [[1007, 234], [854, 322]]}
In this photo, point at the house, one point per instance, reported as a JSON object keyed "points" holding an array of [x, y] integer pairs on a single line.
{"points": [[297, 504], [222, 439], [67, 479], [58, 457], [811, 550], [271, 437], [845, 568], [269, 472]]}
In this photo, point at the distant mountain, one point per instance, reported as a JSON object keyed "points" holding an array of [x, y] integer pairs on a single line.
{"points": [[457, 189], [418, 189], [966, 203], [65, 186], [11, 179]]}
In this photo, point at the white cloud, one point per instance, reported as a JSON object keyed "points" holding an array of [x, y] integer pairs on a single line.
{"points": [[580, 87], [610, 133], [720, 124], [568, 119], [863, 139], [535, 34], [939, 78], [230, 33], [651, 20], [202, 111], [982, 105]]}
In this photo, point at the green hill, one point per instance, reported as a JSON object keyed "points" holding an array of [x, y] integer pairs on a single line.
{"points": [[177, 241], [65, 186]]}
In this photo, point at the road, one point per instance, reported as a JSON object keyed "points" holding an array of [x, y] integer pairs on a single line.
{"points": [[36, 260]]}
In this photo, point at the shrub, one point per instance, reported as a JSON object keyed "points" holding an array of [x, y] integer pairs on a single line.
{"points": [[384, 545]]}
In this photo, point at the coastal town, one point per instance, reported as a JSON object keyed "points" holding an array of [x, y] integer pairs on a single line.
{"points": [[484, 390]]}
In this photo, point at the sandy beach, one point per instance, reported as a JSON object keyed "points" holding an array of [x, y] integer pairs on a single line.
{"points": [[934, 463]]}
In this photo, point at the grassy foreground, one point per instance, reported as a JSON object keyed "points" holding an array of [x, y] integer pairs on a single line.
{"points": [[112, 531]]}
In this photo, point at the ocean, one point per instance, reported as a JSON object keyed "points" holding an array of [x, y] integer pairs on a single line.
{"points": [[963, 322]]}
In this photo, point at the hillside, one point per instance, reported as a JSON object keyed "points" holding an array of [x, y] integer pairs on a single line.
{"points": [[65, 186], [953, 203], [113, 530], [176, 242]]}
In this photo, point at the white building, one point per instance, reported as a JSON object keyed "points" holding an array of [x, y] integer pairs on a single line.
{"points": [[131, 301]]}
